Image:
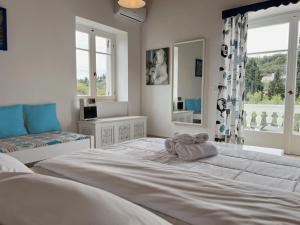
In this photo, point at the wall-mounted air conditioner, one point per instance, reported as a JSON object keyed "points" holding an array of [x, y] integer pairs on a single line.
{"points": [[135, 15]]}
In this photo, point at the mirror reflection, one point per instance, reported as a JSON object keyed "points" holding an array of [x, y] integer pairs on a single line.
{"points": [[188, 82]]}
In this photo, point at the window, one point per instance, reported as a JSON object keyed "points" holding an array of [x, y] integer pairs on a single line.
{"points": [[266, 74], [95, 63]]}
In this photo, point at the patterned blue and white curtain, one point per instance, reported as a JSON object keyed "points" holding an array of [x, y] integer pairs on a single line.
{"points": [[231, 88]]}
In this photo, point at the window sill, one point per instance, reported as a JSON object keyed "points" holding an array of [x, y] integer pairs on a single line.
{"points": [[100, 99]]}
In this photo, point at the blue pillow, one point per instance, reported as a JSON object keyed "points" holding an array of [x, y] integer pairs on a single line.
{"points": [[12, 121], [197, 105], [41, 118], [189, 105]]}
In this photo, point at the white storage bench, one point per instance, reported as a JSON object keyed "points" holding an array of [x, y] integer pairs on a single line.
{"points": [[114, 130]]}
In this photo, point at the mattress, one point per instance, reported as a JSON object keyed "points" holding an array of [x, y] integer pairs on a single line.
{"points": [[231, 163], [8, 145]]}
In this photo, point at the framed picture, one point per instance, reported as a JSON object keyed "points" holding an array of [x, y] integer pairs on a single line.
{"points": [[3, 30], [199, 68], [157, 67]]}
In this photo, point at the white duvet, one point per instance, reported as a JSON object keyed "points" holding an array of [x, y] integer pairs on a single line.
{"points": [[32, 199], [195, 198]]}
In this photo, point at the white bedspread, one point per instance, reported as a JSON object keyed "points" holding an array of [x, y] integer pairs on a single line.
{"points": [[231, 163], [33, 199], [193, 197]]}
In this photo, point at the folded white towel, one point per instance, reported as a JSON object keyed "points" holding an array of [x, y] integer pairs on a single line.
{"points": [[191, 139], [201, 138], [170, 146], [193, 152], [184, 139]]}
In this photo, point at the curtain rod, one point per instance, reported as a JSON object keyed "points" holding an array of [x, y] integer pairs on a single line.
{"points": [[255, 7]]}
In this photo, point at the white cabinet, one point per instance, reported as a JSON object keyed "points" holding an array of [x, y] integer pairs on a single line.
{"points": [[183, 116], [123, 131], [114, 130]]}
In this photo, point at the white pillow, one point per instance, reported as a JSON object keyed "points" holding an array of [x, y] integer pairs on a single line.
{"points": [[10, 164]]}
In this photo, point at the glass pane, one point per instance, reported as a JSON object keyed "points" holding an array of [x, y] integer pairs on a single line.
{"points": [[82, 40], [83, 72], [269, 38], [297, 92], [299, 35], [265, 91], [297, 98], [103, 67], [102, 45]]}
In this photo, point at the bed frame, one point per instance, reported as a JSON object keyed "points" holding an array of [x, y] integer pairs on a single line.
{"points": [[30, 156]]}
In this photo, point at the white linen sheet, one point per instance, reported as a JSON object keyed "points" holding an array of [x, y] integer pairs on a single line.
{"points": [[193, 197], [10, 164], [33, 199], [231, 163]]}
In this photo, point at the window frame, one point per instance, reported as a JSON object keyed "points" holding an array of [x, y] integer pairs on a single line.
{"points": [[293, 19], [93, 33]]}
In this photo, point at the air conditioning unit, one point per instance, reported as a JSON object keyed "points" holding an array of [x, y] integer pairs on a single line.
{"points": [[134, 15]]}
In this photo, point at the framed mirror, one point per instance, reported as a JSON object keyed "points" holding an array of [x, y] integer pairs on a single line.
{"points": [[188, 82]]}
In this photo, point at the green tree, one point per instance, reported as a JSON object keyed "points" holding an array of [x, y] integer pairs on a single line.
{"points": [[271, 63], [82, 87], [277, 86], [254, 98], [298, 79], [254, 77]]}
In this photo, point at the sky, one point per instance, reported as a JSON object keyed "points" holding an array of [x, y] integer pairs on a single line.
{"points": [[268, 38], [82, 57]]}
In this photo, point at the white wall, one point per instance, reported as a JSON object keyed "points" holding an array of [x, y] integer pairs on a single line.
{"points": [[171, 21], [39, 66]]}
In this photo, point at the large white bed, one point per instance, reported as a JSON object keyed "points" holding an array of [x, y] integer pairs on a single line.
{"points": [[234, 187]]}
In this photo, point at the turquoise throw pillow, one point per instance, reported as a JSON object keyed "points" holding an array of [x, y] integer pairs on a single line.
{"points": [[12, 121], [41, 118], [189, 104], [197, 105]]}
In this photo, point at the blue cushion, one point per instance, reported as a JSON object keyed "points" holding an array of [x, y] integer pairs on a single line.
{"points": [[12, 121], [197, 105], [189, 105], [41, 118]]}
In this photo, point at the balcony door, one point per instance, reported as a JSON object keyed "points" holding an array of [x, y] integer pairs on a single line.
{"points": [[272, 98]]}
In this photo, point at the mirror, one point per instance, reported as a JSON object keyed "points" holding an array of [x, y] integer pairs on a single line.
{"points": [[188, 81]]}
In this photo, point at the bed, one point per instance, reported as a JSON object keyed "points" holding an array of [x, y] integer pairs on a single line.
{"points": [[235, 187]]}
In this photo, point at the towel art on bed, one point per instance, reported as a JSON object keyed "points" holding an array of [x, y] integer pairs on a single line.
{"points": [[191, 147]]}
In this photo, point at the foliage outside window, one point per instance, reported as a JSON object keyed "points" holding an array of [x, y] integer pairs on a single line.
{"points": [[265, 79]]}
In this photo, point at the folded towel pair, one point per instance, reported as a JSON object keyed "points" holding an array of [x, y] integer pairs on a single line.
{"points": [[195, 151], [185, 139], [191, 139], [189, 148]]}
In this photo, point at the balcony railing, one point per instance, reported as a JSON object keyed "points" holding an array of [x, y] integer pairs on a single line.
{"points": [[267, 117]]}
